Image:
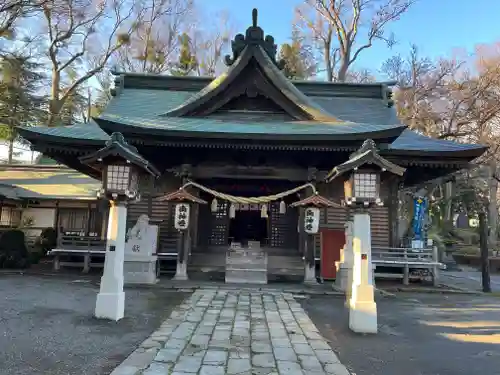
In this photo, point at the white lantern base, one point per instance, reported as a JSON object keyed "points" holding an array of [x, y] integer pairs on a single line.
{"points": [[310, 274], [363, 316], [181, 272], [110, 306]]}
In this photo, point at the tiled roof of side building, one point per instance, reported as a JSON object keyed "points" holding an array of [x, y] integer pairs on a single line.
{"points": [[48, 182]]}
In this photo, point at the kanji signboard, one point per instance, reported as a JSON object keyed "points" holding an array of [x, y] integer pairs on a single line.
{"points": [[311, 220], [181, 218]]}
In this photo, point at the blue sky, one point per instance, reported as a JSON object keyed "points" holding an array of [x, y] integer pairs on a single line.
{"points": [[437, 27]]}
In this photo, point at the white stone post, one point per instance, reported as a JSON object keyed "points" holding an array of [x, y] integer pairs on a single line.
{"points": [[110, 303], [344, 269], [362, 306]]}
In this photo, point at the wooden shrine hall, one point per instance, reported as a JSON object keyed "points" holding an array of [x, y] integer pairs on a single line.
{"points": [[253, 133]]}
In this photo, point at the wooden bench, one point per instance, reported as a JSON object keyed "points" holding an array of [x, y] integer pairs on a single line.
{"points": [[87, 247], [407, 258]]}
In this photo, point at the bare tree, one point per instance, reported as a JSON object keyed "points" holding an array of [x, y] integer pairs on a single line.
{"points": [[444, 99], [347, 18], [321, 34], [154, 43], [11, 11], [77, 32], [211, 41]]}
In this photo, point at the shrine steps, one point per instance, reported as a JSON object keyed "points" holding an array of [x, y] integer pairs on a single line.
{"points": [[284, 264]]}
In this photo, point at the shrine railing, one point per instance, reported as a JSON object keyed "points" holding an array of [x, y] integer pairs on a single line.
{"points": [[404, 255], [72, 242]]}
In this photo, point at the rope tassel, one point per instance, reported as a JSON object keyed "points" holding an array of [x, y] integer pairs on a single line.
{"points": [[214, 205]]}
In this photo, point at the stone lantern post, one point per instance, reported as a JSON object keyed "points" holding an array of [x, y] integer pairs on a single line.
{"points": [[121, 166], [362, 191]]}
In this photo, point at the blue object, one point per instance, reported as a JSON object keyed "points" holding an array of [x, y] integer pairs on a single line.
{"points": [[420, 206]]}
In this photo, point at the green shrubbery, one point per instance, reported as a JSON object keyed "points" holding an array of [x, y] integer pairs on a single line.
{"points": [[43, 244], [13, 250]]}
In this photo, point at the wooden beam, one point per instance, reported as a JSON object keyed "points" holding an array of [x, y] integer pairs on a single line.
{"points": [[249, 172]]}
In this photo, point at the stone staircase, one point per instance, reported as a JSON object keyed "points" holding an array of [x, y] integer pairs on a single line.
{"points": [[282, 264], [246, 265]]}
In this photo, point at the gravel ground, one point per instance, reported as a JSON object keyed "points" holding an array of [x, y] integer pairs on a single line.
{"points": [[419, 334], [46, 325]]}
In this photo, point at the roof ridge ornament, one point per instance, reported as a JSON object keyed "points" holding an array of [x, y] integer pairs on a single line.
{"points": [[254, 36]]}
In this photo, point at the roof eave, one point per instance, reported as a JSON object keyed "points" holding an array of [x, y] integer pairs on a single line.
{"points": [[33, 136], [112, 126], [471, 153]]}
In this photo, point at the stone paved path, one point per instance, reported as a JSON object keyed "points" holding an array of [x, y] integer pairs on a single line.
{"points": [[218, 332]]}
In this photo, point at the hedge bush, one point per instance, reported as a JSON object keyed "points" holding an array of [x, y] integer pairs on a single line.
{"points": [[13, 251]]}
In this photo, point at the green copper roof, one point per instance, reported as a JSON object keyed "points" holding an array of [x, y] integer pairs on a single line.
{"points": [[89, 131], [150, 105], [48, 182], [214, 125], [412, 141]]}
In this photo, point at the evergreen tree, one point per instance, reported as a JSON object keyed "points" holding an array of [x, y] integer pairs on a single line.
{"points": [[299, 61], [187, 62], [20, 101]]}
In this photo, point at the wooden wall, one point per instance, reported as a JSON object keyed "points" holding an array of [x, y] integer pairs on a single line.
{"points": [[161, 213], [335, 218]]}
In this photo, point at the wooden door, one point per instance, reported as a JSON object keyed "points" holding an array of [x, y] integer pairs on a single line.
{"points": [[332, 240]]}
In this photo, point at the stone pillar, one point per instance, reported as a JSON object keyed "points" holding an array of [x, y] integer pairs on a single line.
{"points": [[182, 255], [309, 259], [344, 270], [362, 306], [110, 303]]}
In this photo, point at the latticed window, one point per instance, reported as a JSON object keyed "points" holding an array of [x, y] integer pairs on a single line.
{"points": [[365, 185], [118, 177]]}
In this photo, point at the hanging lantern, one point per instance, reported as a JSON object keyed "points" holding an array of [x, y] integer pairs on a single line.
{"points": [[214, 205], [282, 207], [232, 211], [263, 211]]}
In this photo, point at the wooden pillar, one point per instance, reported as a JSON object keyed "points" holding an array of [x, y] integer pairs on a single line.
{"points": [[56, 220], [184, 238], [308, 239], [89, 219], [393, 204]]}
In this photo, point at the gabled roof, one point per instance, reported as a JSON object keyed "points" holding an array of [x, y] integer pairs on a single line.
{"points": [[254, 70], [367, 154], [291, 100], [117, 146]]}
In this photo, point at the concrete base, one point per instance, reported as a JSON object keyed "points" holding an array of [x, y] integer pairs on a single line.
{"points": [[140, 270], [181, 272], [310, 274], [110, 306], [342, 279], [363, 317], [363, 310]]}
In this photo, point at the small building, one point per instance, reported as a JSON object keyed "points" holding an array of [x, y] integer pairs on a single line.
{"points": [[253, 132], [35, 197]]}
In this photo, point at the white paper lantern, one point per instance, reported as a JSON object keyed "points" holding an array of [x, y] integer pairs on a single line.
{"points": [[181, 217], [311, 220]]}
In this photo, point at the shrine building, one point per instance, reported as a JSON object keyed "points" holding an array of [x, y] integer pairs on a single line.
{"points": [[251, 132]]}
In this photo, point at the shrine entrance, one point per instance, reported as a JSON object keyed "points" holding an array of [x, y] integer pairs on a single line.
{"points": [[248, 225]]}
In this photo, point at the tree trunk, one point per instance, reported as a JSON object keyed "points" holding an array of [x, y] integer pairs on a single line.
{"points": [[448, 194], [55, 103], [492, 208], [344, 66], [11, 150]]}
